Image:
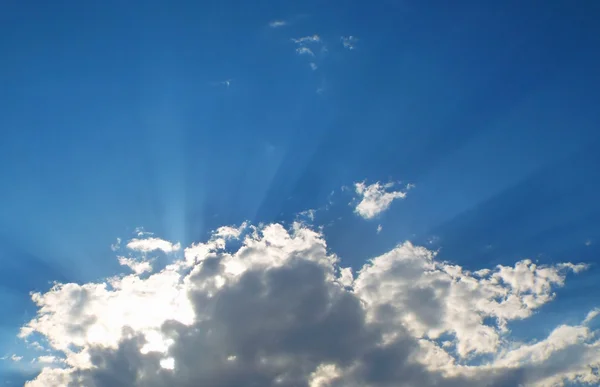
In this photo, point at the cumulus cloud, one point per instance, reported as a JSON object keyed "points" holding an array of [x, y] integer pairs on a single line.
{"points": [[277, 308], [278, 23], [375, 198], [137, 266]]}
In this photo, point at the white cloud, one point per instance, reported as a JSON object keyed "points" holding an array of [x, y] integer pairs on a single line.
{"points": [[304, 51], [307, 39], [313, 66], [591, 316], [116, 246], [228, 232], [152, 244], [279, 310], [137, 266], [278, 23], [16, 358], [375, 199], [348, 42], [48, 359], [379, 228]]}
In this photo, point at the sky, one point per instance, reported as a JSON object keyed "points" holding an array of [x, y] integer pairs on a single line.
{"points": [[299, 193]]}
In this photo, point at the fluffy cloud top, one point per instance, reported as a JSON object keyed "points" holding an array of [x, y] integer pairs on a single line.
{"points": [[280, 310], [375, 198]]}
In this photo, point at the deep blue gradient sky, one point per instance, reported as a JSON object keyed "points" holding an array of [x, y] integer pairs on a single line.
{"points": [[113, 116]]}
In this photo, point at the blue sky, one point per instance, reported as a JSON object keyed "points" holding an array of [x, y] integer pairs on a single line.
{"points": [[184, 117]]}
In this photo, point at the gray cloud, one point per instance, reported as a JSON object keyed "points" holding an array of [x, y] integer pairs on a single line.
{"points": [[281, 311]]}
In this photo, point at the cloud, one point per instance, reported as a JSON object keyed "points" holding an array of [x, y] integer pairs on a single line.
{"points": [[304, 51], [280, 310], [348, 42], [375, 199], [278, 23], [152, 244], [313, 66], [138, 267], [307, 39], [379, 228]]}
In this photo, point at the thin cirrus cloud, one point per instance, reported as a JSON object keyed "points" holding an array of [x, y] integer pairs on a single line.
{"points": [[376, 198], [278, 23], [277, 308], [307, 39]]}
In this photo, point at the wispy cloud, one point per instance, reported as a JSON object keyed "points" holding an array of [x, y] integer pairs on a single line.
{"points": [[307, 39], [304, 51], [278, 23], [313, 66], [348, 42], [226, 83]]}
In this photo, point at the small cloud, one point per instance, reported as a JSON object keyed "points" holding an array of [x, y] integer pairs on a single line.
{"points": [[591, 315], [304, 51], [588, 242], [307, 39], [140, 232], [16, 358], [116, 246], [278, 23], [310, 214], [375, 198], [229, 232], [348, 42], [138, 267], [152, 244], [313, 66], [225, 83], [379, 228]]}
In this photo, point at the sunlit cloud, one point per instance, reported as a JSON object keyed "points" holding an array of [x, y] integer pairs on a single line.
{"points": [[152, 244], [375, 198], [278, 308]]}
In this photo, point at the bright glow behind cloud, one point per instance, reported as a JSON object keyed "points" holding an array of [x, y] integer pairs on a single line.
{"points": [[280, 310]]}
